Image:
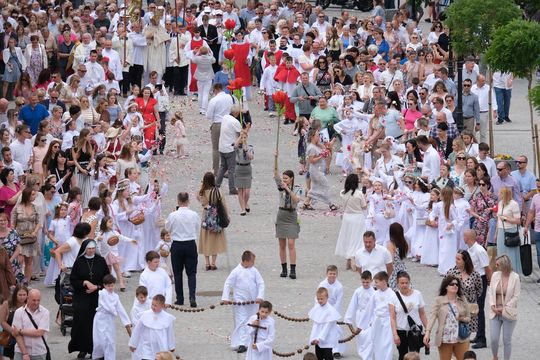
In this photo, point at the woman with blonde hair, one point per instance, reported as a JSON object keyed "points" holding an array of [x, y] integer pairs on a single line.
{"points": [[88, 115], [508, 221], [83, 156], [447, 215], [503, 294]]}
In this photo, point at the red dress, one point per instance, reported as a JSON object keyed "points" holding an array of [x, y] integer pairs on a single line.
{"points": [[195, 44], [241, 68], [149, 117]]}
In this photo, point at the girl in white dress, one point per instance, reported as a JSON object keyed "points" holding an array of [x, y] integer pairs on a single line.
{"points": [[354, 219], [463, 209], [447, 214], [180, 139], [153, 217], [377, 317], [346, 128], [101, 174], [163, 248], [404, 215], [59, 232], [378, 219], [430, 245], [419, 201]]}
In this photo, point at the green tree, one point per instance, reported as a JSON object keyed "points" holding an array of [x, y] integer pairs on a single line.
{"points": [[515, 48], [534, 97], [472, 23]]}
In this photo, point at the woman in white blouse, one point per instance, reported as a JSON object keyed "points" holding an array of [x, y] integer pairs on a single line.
{"points": [[353, 223], [508, 219]]}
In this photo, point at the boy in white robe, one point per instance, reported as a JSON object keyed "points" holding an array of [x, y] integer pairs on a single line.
{"points": [[324, 334], [248, 285], [355, 311], [269, 85], [154, 332], [377, 315], [155, 278], [262, 338], [140, 304], [104, 330], [335, 297]]}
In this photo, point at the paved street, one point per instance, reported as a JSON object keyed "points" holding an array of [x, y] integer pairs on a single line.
{"points": [[206, 335]]}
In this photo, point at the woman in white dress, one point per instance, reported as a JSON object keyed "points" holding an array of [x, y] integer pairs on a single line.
{"points": [[463, 208], [346, 128], [354, 219], [419, 203], [379, 219], [430, 246], [387, 164], [447, 214]]}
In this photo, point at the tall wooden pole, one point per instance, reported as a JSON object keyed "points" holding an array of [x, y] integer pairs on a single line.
{"points": [[177, 32]]}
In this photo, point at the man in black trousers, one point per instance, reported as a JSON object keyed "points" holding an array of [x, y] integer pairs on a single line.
{"points": [[184, 225]]}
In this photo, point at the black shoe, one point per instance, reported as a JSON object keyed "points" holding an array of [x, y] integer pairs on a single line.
{"points": [[233, 192], [81, 355], [337, 355], [192, 303], [179, 303], [498, 122], [475, 340], [283, 270], [286, 122], [480, 345], [241, 349], [538, 281], [507, 120], [292, 275]]}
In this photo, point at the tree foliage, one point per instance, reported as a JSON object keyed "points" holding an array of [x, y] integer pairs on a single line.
{"points": [[515, 48], [472, 23], [534, 97]]}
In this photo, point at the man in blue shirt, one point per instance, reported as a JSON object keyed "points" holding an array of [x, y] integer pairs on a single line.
{"points": [[526, 180], [33, 113]]}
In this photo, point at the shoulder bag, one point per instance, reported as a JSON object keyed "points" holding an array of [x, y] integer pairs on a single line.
{"points": [[525, 254], [414, 335], [223, 218], [511, 239], [463, 328], [48, 356], [312, 102]]}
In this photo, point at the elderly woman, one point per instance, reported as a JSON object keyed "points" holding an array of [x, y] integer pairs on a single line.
{"points": [[451, 308], [87, 279], [36, 58], [204, 75], [25, 220], [503, 294], [74, 89]]}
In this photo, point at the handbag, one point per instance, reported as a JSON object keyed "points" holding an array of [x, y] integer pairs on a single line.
{"points": [[511, 239], [27, 238], [414, 335], [223, 218], [525, 253], [48, 356], [312, 102], [215, 219], [5, 338], [463, 328]]}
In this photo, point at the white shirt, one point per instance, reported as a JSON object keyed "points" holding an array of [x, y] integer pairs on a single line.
{"points": [[358, 304], [374, 261], [335, 293], [247, 284], [431, 167], [449, 116], [321, 27], [388, 78], [22, 152], [325, 328], [413, 302], [157, 282], [17, 169], [183, 224], [502, 80], [114, 63], [230, 129], [139, 48], [219, 106], [95, 73], [479, 258], [490, 165], [483, 97]]}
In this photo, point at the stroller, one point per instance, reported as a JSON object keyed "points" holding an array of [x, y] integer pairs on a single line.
{"points": [[63, 295]]}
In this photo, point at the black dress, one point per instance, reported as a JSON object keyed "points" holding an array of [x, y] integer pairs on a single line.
{"points": [[84, 305]]}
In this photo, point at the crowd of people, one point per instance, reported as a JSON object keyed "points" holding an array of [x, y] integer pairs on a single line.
{"points": [[88, 104]]}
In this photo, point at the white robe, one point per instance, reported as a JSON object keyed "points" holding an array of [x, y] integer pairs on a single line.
{"points": [[375, 220], [156, 49], [430, 244], [104, 330], [153, 333], [462, 206], [61, 228], [325, 325], [138, 309], [346, 128], [415, 235], [247, 285], [377, 314], [265, 339], [447, 239], [355, 311], [157, 282], [335, 298]]}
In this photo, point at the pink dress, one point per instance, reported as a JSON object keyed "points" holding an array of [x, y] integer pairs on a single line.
{"points": [[7, 193], [410, 116], [39, 154]]}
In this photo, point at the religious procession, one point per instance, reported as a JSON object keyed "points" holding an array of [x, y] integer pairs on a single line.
{"points": [[384, 147]]}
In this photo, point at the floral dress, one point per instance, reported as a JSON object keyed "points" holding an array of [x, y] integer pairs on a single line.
{"points": [[36, 64], [472, 288], [10, 243], [482, 205], [399, 265]]}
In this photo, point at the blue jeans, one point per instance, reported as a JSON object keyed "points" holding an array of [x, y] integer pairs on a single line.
{"points": [[537, 239], [503, 97]]}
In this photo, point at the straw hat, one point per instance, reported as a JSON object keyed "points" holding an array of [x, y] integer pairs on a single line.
{"points": [[112, 132]]}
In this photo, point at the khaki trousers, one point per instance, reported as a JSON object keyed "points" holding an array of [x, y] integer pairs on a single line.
{"points": [[215, 129], [458, 349]]}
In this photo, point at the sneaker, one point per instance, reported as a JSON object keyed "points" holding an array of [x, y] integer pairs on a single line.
{"points": [[126, 274], [337, 355], [194, 98], [272, 114], [507, 119], [498, 123], [480, 345], [241, 349]]}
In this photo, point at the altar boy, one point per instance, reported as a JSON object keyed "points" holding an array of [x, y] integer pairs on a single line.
{"points": [[324, 334], [335, 297], [154, 332], [263, 332], [247, 284]]}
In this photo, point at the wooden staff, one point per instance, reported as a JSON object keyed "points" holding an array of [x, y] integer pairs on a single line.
{"points": [[177, 32], [124, 21]]}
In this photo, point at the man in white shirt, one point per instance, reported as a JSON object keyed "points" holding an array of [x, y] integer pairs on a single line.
{"points": [[480, 260], [390, 75], [502, 83], [115, 66], [483, 157], [21, 147], [482, 91], [431, 166], [230, 129], [95, 72], [321, 24], [184, 225], [139, 54], [218, 106], [9, 163], [373, 257]]}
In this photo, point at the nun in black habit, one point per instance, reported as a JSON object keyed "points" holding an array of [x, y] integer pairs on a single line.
{"points": [[87, 279]]}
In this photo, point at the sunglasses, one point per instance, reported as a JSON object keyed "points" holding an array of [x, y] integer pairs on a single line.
{"points": [[482, 184], [461, 158], [520, 162], [43, 140], [500, 169], [409, 182], [453, 284], [467, 85]]}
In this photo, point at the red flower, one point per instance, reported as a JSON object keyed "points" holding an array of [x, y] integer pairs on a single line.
{"points": [[235, 84], [280, 97], [230, 24], [229, 54]]}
